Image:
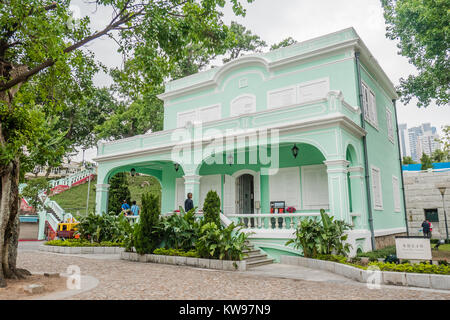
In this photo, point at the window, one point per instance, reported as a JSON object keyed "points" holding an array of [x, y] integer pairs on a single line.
{"points": [[285, 186], [396, 188], [315, 187], [431, 215], [369, 105], [390, 127], [298, 93], [376, 189], [204, 114]]}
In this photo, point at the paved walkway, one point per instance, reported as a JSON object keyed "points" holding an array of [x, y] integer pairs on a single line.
{"points": [[120, 279]]}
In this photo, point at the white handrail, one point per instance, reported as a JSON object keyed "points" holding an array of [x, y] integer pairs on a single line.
{"points": [[271, 220]]}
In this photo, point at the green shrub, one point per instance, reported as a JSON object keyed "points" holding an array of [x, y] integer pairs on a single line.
{"points": [[324, 237], [82, 243], [118, 191], [221, 243], [379, 254], [105, 227], [176, 252], [414, 268], [147, 231], [180, 231], [211, 208]]}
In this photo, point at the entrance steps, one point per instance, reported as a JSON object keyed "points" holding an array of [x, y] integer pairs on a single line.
{"points": [[254, 257]]}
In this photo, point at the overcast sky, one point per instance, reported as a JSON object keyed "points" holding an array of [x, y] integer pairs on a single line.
{"points": [[276, 20]]}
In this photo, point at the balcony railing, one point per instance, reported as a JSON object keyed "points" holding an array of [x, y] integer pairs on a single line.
{"points": [[278, 221], [255, 221]]}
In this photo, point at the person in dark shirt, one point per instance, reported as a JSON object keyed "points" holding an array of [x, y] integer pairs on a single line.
{"points": [[188, 203], [426, 228]]}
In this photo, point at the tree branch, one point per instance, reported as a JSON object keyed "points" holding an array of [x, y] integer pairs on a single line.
{"points": [[48, 63]]}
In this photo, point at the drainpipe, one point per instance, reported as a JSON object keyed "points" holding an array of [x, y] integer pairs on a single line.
{"points": [[366, 160], [401, 167]]}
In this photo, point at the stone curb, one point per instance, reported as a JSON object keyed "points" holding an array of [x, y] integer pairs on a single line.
{"points": [[422, 280], [82, 250], [216, 264]]}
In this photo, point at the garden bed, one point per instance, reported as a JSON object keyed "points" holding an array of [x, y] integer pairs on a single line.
{"points": [[227, 265], [362, 274], [82, 250]]}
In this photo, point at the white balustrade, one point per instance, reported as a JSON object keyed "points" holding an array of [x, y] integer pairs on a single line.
{"points": [[271, 220]]}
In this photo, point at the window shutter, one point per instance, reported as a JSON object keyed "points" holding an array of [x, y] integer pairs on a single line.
{"points": [[376, 188], [389, 124], [396, 188], [373, 108]]}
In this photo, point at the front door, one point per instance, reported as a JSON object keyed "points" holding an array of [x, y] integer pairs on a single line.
{"points": [[245, 195]]}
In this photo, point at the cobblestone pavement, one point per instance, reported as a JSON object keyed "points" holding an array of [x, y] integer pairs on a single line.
{"points": [[132, 280]]}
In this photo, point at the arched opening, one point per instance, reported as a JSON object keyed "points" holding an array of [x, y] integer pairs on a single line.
{"points": [[157, 177], [299, 179]]}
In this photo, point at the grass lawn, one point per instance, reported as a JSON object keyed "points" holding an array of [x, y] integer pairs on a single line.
{"points": [[74, 199]]}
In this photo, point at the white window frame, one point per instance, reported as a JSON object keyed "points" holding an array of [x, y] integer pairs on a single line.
{"points": [[296, 88], [389, 125], [380, 190], [369, 105], [197, 114], [306, 204], [396, 194]]}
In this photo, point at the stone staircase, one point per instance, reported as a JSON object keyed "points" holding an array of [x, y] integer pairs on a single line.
{"points": [[255, 257]]}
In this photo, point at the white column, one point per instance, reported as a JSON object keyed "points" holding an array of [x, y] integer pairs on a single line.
{"points": [[338, 189]]}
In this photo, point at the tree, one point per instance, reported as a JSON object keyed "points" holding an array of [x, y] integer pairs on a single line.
{"points": [[118, 191], [422, 27], [240, 41], [445, 140], [408, 160], [32, 191], [426, 162], [147, 235], [439, 156], [35, 38], [141, 111], [211, 208], [284, 43]]}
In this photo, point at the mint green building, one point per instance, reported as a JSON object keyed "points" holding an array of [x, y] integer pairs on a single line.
{"points": [[299, 127]]}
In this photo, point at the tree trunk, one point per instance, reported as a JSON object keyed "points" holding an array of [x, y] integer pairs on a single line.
{"points": [[9, 201], [9, 223]]}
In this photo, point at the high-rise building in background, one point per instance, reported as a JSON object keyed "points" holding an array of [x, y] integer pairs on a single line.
{"points": [[418, 140]]}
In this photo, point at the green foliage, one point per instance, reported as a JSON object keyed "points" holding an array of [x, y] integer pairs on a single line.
{"points": [[118, 191], [354, 262], [221, 243], [378, 254], [33, 189], [414, 268], [82, 243], [408, 160], [147, 231], [105, 227], [211, 208], [422, 28], [241, 40], [324, 237], [176, 252], [425, 160], [440, 156], [180, 231], [284, 43]]}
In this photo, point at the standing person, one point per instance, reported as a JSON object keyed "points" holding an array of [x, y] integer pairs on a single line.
{"points": [[431, 229], [135, 210], [125, 207], [188, 203], [426, 228]]}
